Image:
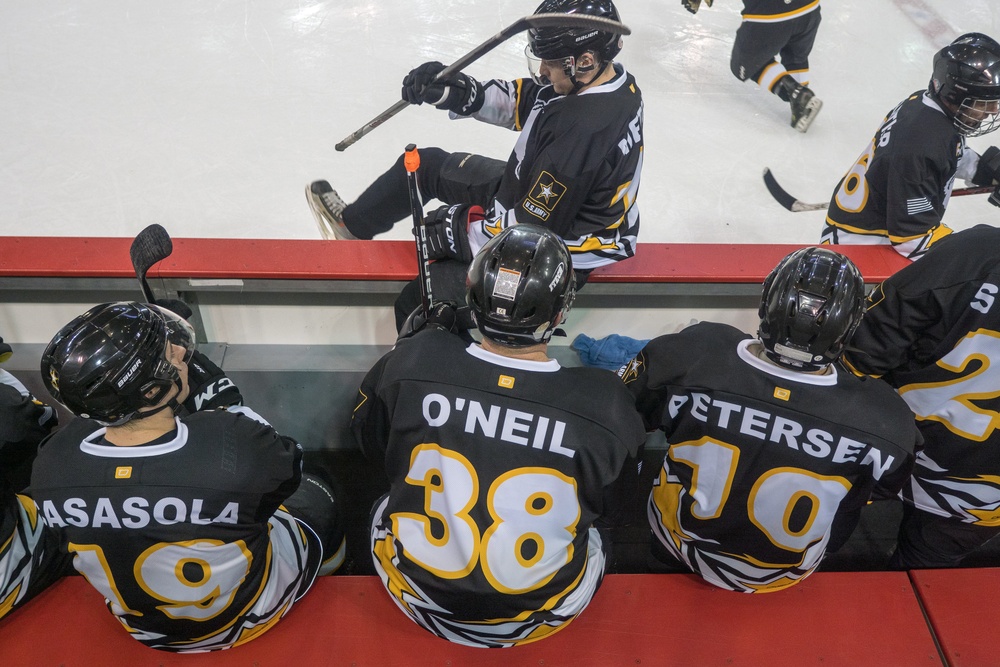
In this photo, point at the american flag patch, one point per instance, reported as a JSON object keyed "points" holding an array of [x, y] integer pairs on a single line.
{"points": [[918, 205]]}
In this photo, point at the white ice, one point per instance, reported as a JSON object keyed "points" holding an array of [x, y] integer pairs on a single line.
{"points": [[210, 117]]}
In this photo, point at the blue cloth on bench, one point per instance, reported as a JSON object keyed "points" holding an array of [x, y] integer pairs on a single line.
{"points": [[611, 352]]}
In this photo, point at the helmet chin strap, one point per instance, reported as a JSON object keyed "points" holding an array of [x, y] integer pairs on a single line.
{"points": [[577, 85], [173, 404]]}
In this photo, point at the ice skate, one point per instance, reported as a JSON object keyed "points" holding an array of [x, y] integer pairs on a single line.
{"points": [[805, 107], [328, 208]]}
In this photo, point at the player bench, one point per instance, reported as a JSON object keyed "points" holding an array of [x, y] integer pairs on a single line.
{"points": [[830, 619]]}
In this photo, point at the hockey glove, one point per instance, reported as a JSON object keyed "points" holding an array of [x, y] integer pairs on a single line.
{"points": [[694, 5], [458, 92], [448, 231], [210, 387], [442, 316]]}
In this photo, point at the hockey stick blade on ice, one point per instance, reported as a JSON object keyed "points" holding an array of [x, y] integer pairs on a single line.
{"points": [[522, 24], [797, 206], [150, 246]]}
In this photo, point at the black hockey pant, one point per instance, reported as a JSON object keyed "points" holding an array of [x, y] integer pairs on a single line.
{"points": [[452, 178]]}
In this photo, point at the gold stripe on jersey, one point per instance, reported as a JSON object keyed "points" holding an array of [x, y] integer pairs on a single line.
{"points": [[785, 16], [935, 235], [857, 230]]}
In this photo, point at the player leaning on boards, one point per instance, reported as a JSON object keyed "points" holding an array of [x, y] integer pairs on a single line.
{"points": [[898, 189], [499, 459], [30, 557], [773, 449], [574, 169], [786, 28], [933, 332], [179, 505]]}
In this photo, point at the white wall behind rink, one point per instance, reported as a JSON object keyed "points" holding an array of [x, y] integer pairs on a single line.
{"points": [[359, 325]]}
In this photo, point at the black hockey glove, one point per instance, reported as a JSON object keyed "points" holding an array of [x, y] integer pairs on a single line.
{"points": [[988, 171], [5, 351], [210, 387], [448, 231], [458, 92], [442, 316], [694, 5]]}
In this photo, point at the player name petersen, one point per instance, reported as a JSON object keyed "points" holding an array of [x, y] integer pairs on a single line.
{"points": [[780, 430]]}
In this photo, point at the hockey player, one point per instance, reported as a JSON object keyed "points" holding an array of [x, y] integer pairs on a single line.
{"points": [[499, 459], [574, 169], [899, 188], [30, 558], [772, 448], [933, 332], [179, 505], [786, 28]]}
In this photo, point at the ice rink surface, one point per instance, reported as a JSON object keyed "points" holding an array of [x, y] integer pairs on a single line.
{"points": [[210, 117]]}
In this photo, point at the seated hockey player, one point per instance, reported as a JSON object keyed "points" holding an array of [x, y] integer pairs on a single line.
{"points": [[30, 557], [575, 167], [500, 460], [897, 191], [932, 333], [772, 448], [179, 505]]}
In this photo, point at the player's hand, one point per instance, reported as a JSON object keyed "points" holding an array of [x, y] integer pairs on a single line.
{"points": [[210, 387], [457, 92], [988, 170], [442, 316], [5, 351], [448, 231], [694, 5]]}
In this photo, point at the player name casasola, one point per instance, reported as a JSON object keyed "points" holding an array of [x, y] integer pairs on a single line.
{"points": [[775, 428], [136, 512]]}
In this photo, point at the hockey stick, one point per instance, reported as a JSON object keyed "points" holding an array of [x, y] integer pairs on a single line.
{"points": [[411, 160], [149, 247], [796, 206], [522, 24]]}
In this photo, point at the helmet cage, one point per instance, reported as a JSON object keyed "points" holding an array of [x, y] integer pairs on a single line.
{"points": [[966, 80]]}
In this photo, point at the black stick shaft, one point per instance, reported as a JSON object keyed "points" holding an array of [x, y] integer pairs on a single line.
{"points": [[412, 162]]}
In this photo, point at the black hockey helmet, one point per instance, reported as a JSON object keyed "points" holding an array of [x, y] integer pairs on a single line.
{"points": [[967, 71], [568, 44], [520, 285], [112, 361], [810, 306]]}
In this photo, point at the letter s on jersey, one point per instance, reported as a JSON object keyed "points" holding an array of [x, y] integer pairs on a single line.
{"points": [[983, 300]]}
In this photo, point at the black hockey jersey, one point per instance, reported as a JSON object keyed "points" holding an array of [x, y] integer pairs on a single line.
{"points": [[29, 550], [575, 168], [933, 331], [498, 469], [183, 536], [762, 462], [898, 189]]}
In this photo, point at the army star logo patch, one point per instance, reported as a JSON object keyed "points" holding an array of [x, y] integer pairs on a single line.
{"points": [[544, 196]]}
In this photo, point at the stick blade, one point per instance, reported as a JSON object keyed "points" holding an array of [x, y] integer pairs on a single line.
{"points": [[149, 247], [575, 21], [785, 199]]}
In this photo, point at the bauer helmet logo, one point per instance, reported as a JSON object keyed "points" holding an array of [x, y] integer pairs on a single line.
{"points": [[584, 38]]}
